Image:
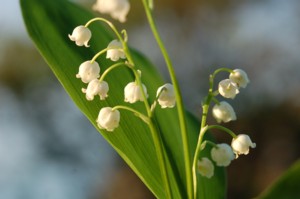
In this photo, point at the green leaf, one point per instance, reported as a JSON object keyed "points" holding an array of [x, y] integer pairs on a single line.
{"points": [[48, 23], [287, 186]]}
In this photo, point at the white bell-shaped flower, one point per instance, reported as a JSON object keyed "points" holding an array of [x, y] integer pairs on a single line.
{"points": [[133, 93], [228, 88], [118, 9], [166, 96], [96, 87], [223, 112], [222, 154], [239, 77], [108, 119], [205, 167], [115, 51], [241, 144], [88, 71], [81, 35]]}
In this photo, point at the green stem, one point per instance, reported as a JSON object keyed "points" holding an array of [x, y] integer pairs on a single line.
{"points": [[137, 113], [199, 147], [108, 23], [98, 54], [126, 48], [205, 109], [156, 139], [110, 69], [216, 101], [102, 52], [209, 143], [231, 133], [197, 152], [180, 108], [222, 70], [203, 127]]}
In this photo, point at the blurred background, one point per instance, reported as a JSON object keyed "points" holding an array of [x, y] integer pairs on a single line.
{"points": [[49, 150]]}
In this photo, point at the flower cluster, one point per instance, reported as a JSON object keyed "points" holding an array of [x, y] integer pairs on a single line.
{"points": [[223, 154], [229, 88], [136, 91], [89, 71]]}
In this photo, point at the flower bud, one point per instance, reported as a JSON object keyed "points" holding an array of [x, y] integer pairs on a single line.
{"points": [[115, 51], [81, 35], [95, 87], [239, 77], [205, 167], [241, 144], [222, 154], [133, 92], [223, 112], [118, 9], [166, 96], [108, 119], [88, 71], [228, 89]]}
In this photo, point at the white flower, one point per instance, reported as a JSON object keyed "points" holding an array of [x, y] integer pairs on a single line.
{"points": [[222, 154], [223, 112], [166, 96], [118, 9], [241, 144], [239, 77], [81, 35], [95, 87], [205, 167], [108, 119], [115, 51], [132, 92], [88, 71], [228, 89]]}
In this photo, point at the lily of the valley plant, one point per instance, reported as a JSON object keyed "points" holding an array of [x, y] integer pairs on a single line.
{"points": [[167, 97]]}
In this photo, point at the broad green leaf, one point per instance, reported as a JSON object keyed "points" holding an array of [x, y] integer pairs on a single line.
{"points": [[48, 23], [287, 186]]}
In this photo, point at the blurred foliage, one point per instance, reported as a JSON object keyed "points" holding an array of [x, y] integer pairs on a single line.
{"points": [[21, 65], [287, 186]]}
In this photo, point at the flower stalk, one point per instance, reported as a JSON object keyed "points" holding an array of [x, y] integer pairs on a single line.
{"points": [[180, 108], [203, 127], [154, 132], [148, 119]]}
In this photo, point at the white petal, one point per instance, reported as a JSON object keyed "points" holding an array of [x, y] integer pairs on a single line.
{"points": [[205, 167], [132, 92], [166, 96], [223, 112], [239, 77], [108, 119], [118, 9]]}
